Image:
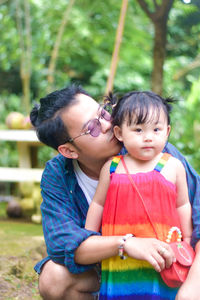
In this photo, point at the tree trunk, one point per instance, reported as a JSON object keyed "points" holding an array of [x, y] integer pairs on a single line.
{"points": [[54, 54], [191, 66], [26, 51], [118, 40], [26, 91], [158, 56], [159, 17]]}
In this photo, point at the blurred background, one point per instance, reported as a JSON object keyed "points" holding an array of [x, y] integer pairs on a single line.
{"points": [[102, 45], [46, 45]]}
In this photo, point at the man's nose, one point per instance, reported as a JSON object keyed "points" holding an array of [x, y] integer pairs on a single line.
{"points": [[105, 125]]}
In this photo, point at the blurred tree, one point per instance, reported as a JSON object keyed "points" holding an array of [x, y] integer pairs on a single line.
{"points": [[159, 17], [54, 54], [116, 49], [25, 43], [86, 48]]}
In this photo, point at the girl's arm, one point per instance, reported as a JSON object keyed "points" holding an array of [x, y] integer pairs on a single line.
{"points": [[95, 211], [96, 248], [183, 203], [193, 181]]}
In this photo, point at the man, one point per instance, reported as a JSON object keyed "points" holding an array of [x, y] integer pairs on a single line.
{"points": [[73, 123]]}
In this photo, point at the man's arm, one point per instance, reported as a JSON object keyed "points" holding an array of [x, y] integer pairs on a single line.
{"points": [[64, 209], [183, 205]]}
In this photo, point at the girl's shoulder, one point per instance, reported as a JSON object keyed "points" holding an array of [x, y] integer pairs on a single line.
{"points": [[175, 165], [175, 162], [111, 164], [107, 164]]}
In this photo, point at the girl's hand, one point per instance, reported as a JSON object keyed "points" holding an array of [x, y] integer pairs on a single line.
{"points": [[159, 254]]}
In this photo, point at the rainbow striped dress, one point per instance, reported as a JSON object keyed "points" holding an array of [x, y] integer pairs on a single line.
{"points": [[124, 213]]}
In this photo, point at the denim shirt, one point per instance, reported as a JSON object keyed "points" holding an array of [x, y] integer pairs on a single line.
{"points": [[64, 209]]}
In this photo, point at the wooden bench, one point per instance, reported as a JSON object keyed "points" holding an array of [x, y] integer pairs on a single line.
{"points": [[20, 174], [26, 140]]}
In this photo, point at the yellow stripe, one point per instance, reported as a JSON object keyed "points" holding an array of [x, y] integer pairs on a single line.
{"points": [[117, 264], [116, 159]]}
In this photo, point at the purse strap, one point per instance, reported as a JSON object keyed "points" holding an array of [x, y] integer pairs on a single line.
{"points": [[140, 196]]}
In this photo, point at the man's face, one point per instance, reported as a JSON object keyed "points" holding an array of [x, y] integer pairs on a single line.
{"points": [[76, 119]]}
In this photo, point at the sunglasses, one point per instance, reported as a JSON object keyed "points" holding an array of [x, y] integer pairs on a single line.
{"points": [[94, 125]]}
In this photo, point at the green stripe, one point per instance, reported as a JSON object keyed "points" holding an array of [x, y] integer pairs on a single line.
{"points": [[129, 276]]}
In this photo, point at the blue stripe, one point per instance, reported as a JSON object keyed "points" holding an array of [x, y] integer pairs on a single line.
{"points": [[137, 288]]}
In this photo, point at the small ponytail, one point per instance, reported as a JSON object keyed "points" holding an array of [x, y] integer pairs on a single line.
{"points": [[34, 114], [111, 98]]}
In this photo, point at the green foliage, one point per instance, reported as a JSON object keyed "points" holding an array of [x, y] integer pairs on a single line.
{"points": [[85, 56], [44, 154], [9, 154], [186, 124], [8, 103]]}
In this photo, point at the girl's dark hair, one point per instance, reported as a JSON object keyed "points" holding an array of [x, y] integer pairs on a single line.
{"points": [[46, 118], [136, 107]]}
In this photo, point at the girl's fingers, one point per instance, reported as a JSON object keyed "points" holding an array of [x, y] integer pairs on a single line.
{"points": [[168, 255]]}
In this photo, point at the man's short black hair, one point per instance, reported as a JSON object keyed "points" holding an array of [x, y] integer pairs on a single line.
{"points": [[46, 118]]}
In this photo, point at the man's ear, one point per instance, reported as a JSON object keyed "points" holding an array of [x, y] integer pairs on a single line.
{"points": [[118, 133], [68, 150]]}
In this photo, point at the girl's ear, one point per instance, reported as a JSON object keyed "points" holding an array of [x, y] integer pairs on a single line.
{"points": [[68, 150], [168, 130], [118, 133]]}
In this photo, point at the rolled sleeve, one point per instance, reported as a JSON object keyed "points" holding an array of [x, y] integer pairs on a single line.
{"points": [[72, 245]]}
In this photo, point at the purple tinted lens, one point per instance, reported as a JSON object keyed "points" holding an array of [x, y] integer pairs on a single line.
{"points": [[105, 114], [94, 127]]}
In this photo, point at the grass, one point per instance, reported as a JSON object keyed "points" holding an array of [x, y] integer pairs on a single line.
{"points": [[3, 209], [21, 247]]}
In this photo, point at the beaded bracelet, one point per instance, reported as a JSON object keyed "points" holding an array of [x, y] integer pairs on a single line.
{"points": [[121, 246]]}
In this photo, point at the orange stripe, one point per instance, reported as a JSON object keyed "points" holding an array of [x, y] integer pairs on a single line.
{"points": [[139, 230]]}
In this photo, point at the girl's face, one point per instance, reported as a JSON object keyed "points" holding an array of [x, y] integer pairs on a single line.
{"points": [[144, 141]]}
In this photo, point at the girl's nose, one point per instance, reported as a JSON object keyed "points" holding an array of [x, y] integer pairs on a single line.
{"points": [[148, 137]]}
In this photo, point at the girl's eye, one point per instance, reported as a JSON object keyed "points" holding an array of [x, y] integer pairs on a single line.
{"points": [[138, 130], [156, 129]]}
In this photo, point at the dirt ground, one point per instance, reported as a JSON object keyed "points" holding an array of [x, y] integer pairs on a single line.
{"points": [[21, 247]]}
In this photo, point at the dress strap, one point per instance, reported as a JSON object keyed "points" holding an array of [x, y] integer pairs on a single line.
{"points": [[162, 162], [114, 163]]}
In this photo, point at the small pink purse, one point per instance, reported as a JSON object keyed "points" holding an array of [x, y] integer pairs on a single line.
{"points": [[184, 253]]}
